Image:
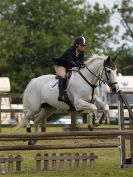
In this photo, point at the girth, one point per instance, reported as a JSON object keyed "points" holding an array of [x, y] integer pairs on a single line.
{"points": [[93, 86]]}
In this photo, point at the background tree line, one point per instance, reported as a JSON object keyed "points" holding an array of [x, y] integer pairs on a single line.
{"points": [[32, 32]]}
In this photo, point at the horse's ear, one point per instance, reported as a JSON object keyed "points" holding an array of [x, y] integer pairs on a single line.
{"points": [[108, 59], [114, 58]]}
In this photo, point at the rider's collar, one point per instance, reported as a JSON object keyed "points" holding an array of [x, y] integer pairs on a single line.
{"points": [[77, 52]]}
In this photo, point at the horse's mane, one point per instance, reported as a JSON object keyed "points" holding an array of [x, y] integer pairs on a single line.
{"points": [[95, 57]]}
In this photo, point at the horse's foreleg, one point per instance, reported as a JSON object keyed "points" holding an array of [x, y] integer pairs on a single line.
{"points": [[82, 105], [105, 108]]}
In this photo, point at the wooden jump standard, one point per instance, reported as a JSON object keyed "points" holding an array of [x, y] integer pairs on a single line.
{"points": [[122, 102]]}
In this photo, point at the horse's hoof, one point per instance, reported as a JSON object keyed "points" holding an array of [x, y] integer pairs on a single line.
{"points": [[32, 142], [97, 123], [90, 128]]}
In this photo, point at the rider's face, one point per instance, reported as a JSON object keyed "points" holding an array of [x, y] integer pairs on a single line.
{"points": [[81, 48]]}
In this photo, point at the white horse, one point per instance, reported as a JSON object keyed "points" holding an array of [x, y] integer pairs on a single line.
{"points": [[81, 91]]}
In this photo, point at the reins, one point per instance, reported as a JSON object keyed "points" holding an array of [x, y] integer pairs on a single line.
{"points": [[99, 79], [92, 85]]}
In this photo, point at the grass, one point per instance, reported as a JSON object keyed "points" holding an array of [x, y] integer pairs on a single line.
{"points": [[107, 164]]}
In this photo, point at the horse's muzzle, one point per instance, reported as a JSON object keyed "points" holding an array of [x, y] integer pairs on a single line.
{"points": [[114, 87]]}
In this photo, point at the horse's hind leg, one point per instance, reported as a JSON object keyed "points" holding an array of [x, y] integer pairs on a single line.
{"points": [[28, 125], [28, 116], [44, 114], [41, 118], [25, 119]]}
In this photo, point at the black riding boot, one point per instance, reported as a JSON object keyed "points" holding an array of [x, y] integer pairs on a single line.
{"points": [[62, 87]]}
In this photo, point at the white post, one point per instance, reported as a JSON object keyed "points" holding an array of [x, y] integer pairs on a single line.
{"points": [[121, 127]]}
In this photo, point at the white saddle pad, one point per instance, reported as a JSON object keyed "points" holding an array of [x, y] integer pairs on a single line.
{"points": [[53, 84]]}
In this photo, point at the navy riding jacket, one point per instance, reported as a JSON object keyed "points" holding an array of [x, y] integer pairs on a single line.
{"points": [[69, 58]]}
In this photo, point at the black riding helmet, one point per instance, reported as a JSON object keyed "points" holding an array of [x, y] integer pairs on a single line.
{"points": [[80, 41]]}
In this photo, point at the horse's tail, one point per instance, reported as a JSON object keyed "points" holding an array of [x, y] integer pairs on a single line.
{"points": [[25, 101], [24, 120]]}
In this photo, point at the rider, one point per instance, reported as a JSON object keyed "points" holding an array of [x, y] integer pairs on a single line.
{"points": [[72, 57]]}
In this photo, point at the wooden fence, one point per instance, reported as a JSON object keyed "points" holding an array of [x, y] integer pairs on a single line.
{"points": [[7, 164], [69, 158]]}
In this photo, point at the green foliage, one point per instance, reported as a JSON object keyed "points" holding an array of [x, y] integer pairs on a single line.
{"points": [[125, 62], [126, 12], [32, 32]]}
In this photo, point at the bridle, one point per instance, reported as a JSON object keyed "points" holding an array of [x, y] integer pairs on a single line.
{"points": [[108, 81], [99, 78]]}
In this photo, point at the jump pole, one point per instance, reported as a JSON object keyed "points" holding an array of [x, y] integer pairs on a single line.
{"points": [[61, 146], [114, 133]]}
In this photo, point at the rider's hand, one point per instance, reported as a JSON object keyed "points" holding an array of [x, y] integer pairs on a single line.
{"points": [[72, 64], [80, 65]]}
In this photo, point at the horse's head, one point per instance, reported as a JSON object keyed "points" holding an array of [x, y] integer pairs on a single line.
{"points": [[109, 74]]}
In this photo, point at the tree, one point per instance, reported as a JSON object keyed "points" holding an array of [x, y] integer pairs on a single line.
{"points": [[126, 57], [126, 12], [35, 31], [125, 60]]}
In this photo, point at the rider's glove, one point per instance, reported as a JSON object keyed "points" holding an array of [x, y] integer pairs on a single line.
{"points": [[80, 65]]}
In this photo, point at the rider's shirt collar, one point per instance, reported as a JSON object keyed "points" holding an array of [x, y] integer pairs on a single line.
{"points": [[77, 52]]}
